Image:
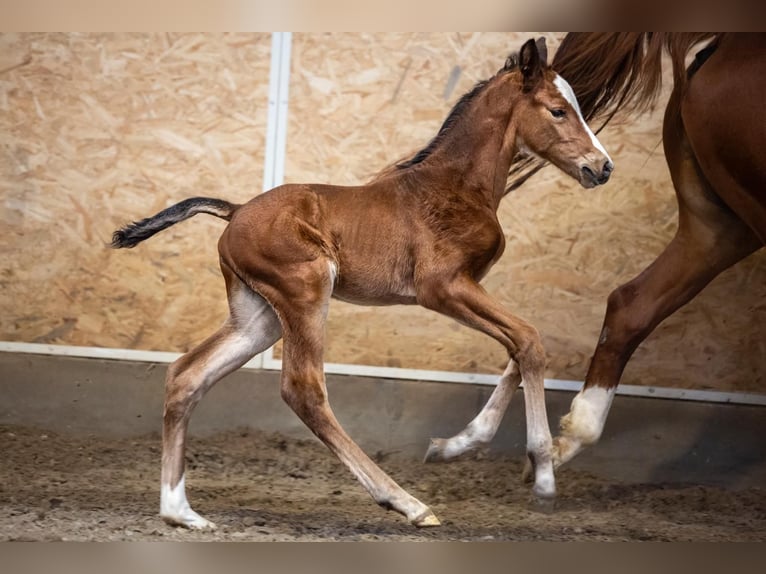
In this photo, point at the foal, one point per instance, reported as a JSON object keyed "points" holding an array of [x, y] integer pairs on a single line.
{"points": [[424, 231]]}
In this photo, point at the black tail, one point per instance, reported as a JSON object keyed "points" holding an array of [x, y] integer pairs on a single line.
{"points": [[133, 234]]}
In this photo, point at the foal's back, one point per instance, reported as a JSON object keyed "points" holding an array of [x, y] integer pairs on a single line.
{"points": [[367, 233]]}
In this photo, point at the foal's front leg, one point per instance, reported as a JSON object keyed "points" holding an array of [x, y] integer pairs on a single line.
{"points": [[467, 302], [483, 427], [303, 389]]}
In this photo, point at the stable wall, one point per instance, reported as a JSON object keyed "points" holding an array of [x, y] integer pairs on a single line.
{"points": [[98, 130]]}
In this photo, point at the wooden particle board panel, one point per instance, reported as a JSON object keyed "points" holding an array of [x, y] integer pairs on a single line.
{"points": [[100, 129]]}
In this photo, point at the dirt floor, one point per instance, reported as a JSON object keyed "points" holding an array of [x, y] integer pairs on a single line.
{"points": [[265, 487]]}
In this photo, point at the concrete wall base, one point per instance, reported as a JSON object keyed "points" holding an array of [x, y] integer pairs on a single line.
{"points": [[645, 440]]}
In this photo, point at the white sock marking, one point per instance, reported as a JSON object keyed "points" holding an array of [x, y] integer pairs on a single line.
{"points": [[175, 507], [588, 414]]}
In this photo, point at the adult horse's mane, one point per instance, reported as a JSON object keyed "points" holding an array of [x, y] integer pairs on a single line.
{"points": [[615, 72]]}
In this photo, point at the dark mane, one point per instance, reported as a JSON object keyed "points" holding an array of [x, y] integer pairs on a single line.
{"points": [[454, 116]]}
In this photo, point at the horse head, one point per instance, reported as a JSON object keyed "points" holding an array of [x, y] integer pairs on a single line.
{"points": [[549, 122]]}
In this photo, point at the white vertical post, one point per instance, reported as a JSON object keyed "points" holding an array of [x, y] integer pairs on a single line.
{"points": [[276, 131]]}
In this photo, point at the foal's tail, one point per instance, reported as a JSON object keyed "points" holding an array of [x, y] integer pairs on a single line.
{"points": [[134, 233]]}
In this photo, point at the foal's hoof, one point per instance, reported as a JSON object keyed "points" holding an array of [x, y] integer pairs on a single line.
{"points": [[543, 505], [192, 522], [436, 449], [426, 520]]}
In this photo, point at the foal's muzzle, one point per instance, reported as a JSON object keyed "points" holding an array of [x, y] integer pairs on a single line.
{"points": [[597, 178]]}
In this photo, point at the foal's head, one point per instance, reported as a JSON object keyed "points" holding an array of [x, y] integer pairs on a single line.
{"points": [[549, 123]]}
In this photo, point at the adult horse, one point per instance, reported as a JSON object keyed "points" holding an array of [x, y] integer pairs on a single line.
{"points": [[714, 137], [424, 231]]}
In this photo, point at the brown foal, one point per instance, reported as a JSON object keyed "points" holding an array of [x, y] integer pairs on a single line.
{"points": [[424, 231]]}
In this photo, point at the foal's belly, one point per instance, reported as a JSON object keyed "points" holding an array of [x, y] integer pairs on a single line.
{"points": [[373, 299], [372, 283]]}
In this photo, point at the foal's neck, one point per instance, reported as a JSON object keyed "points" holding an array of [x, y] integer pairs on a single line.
{"points": [[478, 150]]}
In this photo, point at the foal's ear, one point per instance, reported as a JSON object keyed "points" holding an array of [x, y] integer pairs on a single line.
{"points": [[542, 50], [531, 64]]}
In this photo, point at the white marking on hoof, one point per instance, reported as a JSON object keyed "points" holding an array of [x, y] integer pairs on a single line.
{"points": [[446, 449], [545, 483], [564, 450], [475, 436], [584, 423], [586, 418], [175, 509]]}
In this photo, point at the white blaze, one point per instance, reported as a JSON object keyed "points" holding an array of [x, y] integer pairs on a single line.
{"points": [[568, 93]]}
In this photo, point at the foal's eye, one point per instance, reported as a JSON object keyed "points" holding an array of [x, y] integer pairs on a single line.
{"points": [[558, 113]]}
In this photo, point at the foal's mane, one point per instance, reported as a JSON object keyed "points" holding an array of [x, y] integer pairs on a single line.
{"points": [[615, 72], [454, 116]]}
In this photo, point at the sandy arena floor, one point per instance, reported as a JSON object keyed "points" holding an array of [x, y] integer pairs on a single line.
{"points": [[261, 487]]}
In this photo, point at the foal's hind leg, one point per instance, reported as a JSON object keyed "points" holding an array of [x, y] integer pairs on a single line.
{"points": [[303, 389], [251, 328], [467, 302]]}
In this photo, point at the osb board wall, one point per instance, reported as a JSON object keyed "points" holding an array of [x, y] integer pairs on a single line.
{"points": [[100, 129], [361, 101]]}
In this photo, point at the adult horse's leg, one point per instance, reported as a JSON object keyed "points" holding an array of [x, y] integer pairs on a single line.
{"points": [[251, 328], [303, 389], [710, 238], [467, 302]]}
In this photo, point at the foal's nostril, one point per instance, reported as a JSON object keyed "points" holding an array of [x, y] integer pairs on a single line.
{"points": [[589, 172], [605, 172]]}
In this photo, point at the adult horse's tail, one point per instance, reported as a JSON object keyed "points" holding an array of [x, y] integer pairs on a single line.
{"points": [[618, 71], [613, 72]]}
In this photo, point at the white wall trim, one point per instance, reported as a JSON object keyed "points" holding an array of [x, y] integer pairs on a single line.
{"points": [[389, 373]]}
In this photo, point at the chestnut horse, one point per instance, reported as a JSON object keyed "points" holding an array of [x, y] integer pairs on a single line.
{"points": [[714, 137], [424, 231]]}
